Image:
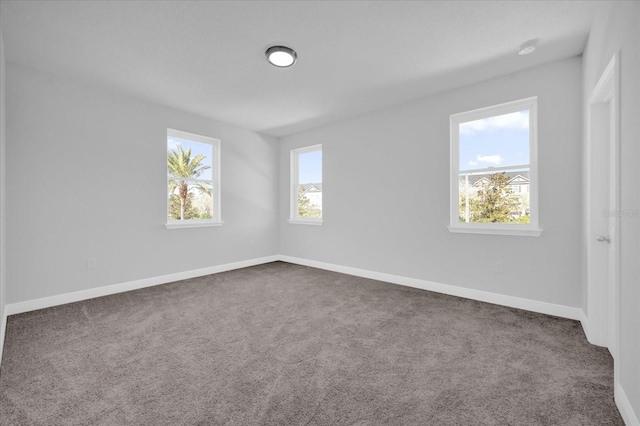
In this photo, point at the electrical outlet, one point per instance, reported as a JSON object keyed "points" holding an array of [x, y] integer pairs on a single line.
{"points": [[92, 263], [497, 267]]}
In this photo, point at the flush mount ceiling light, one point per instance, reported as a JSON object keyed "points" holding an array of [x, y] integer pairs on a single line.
{"points": [[527, 47], [281, 56]]}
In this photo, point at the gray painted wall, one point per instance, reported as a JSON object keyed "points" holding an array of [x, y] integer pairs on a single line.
{"points": [[86, 172], [3, 144], [386, 192], [615, 29]]}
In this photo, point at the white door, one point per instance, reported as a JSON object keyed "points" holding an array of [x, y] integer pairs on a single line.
{"points": [[603, 211]]}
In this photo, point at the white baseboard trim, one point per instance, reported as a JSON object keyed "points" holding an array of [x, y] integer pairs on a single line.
{"points": [[77, 296], [483, 296], [480, 295], [584, 321], [624, 406], [3, 329], [467, 293]]}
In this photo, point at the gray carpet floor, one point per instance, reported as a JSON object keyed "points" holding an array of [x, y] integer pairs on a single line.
{"points": [[282, 344]]}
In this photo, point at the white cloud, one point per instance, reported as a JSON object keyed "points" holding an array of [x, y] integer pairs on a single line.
{"points": [[473, 163], [515, 120], [495, 159]]}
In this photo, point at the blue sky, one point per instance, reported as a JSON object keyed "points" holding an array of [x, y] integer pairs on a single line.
{"points": [[497, 141], [197, 148], [310, 167]]}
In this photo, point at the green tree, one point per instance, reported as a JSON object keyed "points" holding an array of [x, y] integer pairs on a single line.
{"points": [[305, 208], [181, 165], [182, 208], [493, 201]]}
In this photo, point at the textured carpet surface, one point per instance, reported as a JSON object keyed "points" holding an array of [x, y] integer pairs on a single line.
{"points": [[281, 344]]}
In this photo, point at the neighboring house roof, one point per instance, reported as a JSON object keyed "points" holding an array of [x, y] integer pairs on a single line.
{"points": [[312, 187], [515, 178], [519, 180]]}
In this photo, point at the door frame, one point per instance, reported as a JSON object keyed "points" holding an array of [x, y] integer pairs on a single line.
{"points": [[603, 297]]}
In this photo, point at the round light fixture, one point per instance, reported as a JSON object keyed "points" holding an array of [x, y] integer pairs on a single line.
{"points": [[528, 47], [281, 56], [526, 50]]}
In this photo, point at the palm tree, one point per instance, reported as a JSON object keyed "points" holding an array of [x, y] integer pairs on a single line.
{"points": [[181, 165]]}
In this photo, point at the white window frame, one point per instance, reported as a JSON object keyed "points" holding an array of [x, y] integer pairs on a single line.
{"points": [[215, 182], [295, 169], [530, 229]]}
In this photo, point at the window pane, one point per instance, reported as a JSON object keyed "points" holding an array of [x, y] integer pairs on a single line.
{"points": [[190, 200], [494, 197], [310, 167], [498, 141], [310, 200], [188, 159]]}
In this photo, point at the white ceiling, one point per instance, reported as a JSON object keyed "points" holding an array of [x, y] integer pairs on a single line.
{"points": [[353, 56]]}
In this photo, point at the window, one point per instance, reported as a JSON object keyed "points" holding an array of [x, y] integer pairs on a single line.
{"points": [[306, 185], [193, 180], [494, 170]]}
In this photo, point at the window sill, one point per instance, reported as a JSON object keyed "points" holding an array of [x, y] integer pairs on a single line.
{"points": [[191, 224], [305, 222], [523, 232]]}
